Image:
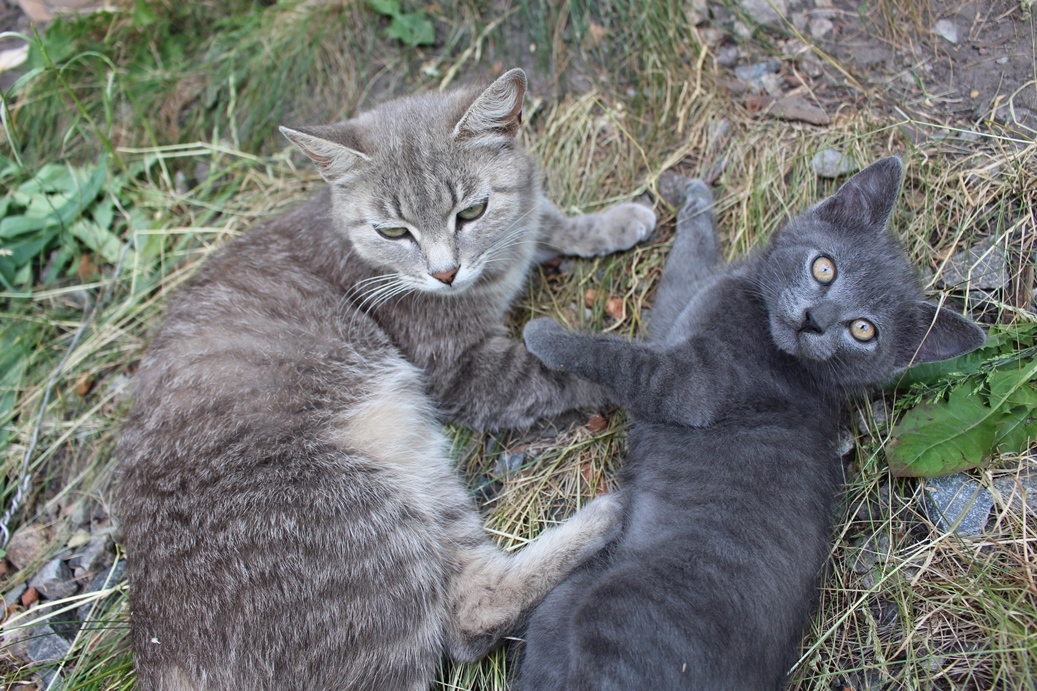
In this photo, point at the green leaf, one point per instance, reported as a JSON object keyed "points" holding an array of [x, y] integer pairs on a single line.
{"points": [[143, 15], [389, 8], [1018, 429], [945, 437], [413, 29]]}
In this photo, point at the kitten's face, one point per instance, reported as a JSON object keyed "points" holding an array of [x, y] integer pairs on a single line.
{"points": [[840, 300], [841, 295], [432, 188]]}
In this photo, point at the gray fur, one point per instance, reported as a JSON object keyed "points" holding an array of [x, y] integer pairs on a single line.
{"points": [[732, 474], [289, 507]]}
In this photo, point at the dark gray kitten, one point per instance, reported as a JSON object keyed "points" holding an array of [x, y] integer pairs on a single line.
{"points": [[291, 514], [732, 472]]}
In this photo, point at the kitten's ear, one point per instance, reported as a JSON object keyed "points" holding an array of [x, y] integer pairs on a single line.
{"points": [[496, 115], [868, 196], [332, 147], [947, 335]]}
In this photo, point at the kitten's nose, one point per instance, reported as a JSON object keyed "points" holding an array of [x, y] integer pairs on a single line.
{"points": [[446, 276], [810, 324]]}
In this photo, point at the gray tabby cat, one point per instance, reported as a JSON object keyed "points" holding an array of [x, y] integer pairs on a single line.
{"points": [[732, 473], [289, 507]]}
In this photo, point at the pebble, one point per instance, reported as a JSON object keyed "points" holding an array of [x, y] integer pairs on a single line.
{"points": [[748, 73], [508, 463], [820, 27], [1002, 60], [26, 545], [92, 556], [959, 503], [766, 11], [1018, 492], [54, 580], [982, 266], [45, 645], [772, 84], [797, 108], [832, 163], [727, 56], [105, 579], [947, 29], [14, 595]]}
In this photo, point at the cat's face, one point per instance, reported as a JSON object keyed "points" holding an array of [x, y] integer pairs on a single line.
{"points": [[432, 188], [841, 295]]}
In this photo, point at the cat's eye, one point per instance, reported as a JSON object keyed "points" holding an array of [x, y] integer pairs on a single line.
{"points": [[393, 233], [472, 212], [863, 330], [823, 269]]}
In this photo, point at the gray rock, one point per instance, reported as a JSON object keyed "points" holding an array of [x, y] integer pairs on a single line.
{"points": [[873, 550], [982, 266], [103, 580], [51, 679], [831, 163], [1018, 493], [751, 73], [54, 580], [795, 107], [44, 645], [766, 11], [800, 20], [727, 56], [27, 545], [947, 29], [508, 463], [959, 503], [92, 556], [820, 27], [14, 595], [772, 84]]}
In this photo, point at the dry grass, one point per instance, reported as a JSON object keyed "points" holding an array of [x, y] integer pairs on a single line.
{"points": [[903, 605]]}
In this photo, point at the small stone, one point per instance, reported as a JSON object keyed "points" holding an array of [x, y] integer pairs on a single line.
{"points": [[180, 183], [54, 580], [749, 73], [740, 30], [800, 20], [727, 56], [959, 503], [92, 556], [1002, 60], [982, 266], [874, 549], [699, 11], [201, 172], [30, 596], [820, 27], [832, 163], [717, 134], [597, 424], [106, 579], [710, 36], [508, 463], [1019, 493], [797, 108], [772, 84], [27, 545], [947, 29], [14, 595], [617, 307], [769, 12], [45, 645]]}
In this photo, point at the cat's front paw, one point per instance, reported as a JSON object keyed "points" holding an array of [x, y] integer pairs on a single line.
{"points": [[544, 339], [624, 226]]}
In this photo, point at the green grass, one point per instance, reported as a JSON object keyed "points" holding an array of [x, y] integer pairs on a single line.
{"points": [[192, 92]]}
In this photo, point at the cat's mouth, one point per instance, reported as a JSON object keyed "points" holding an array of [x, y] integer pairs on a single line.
{"points": [[803, 342]]}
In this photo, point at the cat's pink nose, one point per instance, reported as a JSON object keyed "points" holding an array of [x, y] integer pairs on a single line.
{"points": [[446, 276]]}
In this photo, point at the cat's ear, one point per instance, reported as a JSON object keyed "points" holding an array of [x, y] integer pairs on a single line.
{"points": [[331, 147], [495, 117], [947, 335], [868, 196]]}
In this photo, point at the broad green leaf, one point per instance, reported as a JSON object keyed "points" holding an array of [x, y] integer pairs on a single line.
{"points": [[100, 240], [13, 226], [390, 8], [412, 28], [1018, 429], [143, 15], [941, 438]]}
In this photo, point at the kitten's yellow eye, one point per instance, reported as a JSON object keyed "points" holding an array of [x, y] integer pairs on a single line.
{"points": [[862, 329], [472, 212], [392, 233], [823, 269]]}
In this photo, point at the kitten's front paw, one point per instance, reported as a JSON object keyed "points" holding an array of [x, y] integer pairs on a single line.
{"points": [[543, 337], [624, 226]]}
